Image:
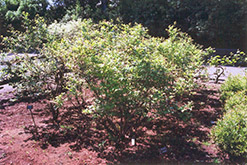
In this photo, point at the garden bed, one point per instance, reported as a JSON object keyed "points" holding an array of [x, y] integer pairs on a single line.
{"points": [[71, 144]]}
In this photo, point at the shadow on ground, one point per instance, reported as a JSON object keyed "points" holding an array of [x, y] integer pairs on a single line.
{"points": [[164, 140]]}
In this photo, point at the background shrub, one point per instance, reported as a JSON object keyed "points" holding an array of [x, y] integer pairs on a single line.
{"points": [[69, 29], [230, 133], [236, 99], [34, 35], [232, 85]]}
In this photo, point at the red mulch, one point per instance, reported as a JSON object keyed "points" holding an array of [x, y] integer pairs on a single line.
{"points": [[78, 142]]}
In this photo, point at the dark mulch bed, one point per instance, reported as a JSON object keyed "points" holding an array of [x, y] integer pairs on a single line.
{"points": [[80, 141]]}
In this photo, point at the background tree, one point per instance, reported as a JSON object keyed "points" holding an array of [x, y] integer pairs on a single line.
{"points": [[216, 23], [220, 24], [11, 13]]}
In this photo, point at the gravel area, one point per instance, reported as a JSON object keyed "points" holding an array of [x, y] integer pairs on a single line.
{"points": [[228, 70]]}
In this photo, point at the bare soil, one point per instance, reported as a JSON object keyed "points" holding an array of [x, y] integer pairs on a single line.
{"points": [[77, 140]]}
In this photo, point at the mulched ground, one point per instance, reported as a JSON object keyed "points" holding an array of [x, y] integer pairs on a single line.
{"points": [[79, 142]]}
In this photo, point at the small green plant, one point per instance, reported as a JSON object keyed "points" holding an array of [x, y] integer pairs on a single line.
{"points": [[216, 161], [206, 143], [70, 154]]}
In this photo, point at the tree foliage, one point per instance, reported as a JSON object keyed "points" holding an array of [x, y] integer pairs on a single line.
{"points": [[11, 13], [217, 23]]}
